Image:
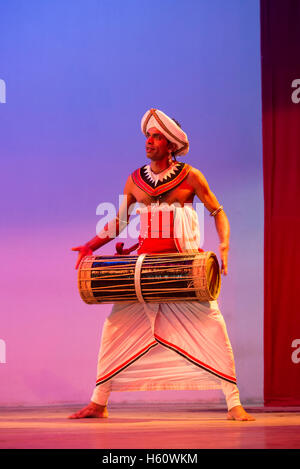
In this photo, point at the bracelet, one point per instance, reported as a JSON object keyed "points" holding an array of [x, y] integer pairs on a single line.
{"points": [[123, 221], [214, 213]]}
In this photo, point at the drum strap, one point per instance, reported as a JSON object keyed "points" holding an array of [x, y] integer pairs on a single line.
{"points": [[137, 278]]}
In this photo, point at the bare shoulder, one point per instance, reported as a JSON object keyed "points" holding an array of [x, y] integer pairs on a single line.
{"points": [[129, 185], [129, 189], [196, 178]]}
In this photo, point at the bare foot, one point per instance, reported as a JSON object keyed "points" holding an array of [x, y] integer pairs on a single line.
{"points": [[91, 411], [238, 413]]}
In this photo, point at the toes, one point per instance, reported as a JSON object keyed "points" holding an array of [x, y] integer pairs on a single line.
{"points": [[88, 413], [241, 418], [74, 416], [77, 415]]}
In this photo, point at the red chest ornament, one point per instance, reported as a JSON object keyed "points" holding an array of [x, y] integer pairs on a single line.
{"points": [[164, 182]]}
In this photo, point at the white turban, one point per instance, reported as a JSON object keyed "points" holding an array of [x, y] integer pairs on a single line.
{"points": [[159, 120]]}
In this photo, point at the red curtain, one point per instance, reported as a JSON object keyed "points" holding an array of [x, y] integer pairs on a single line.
{"points": [[280, 50]]}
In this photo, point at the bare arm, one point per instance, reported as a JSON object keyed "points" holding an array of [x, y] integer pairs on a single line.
{"points": [[210, 201], [112, 229]]}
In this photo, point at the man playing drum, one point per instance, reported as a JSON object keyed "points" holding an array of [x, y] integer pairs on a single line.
{"points": [[176, 345]]}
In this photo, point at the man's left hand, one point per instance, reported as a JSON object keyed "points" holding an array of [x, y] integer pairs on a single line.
{"points": [[224, 248]]}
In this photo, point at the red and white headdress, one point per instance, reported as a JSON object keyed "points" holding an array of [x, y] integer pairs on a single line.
{"points": [[159, 120]]}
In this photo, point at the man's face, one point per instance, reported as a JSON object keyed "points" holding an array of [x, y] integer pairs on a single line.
{"points": [[157, 146]]}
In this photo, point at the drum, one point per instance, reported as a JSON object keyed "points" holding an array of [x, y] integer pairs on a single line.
{"points": [[147, 278]]}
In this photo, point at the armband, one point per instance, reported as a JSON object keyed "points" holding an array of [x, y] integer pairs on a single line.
{"points": [[214, 213]]}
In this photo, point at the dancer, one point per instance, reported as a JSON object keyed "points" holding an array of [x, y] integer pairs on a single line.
{"points": [[176, 345]]}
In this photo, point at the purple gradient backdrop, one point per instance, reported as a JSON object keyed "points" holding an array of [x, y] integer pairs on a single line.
{"points": [[79, 76]]}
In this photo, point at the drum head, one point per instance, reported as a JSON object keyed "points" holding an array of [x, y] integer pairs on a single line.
{"points": [[207, 276]]}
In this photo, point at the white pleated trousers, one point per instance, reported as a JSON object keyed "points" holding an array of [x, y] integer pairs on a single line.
{"points": [[165, 346]]}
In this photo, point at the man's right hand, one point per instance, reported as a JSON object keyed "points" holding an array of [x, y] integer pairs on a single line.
{"points": [[83, 251]]}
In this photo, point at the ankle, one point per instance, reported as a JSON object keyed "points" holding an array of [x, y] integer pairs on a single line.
{"points": [[97, 406]]}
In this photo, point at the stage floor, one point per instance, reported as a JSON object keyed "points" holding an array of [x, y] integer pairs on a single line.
{"points": [[148, 426]]}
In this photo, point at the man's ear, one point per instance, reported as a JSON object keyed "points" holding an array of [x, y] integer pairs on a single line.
{"points": [[172, 146]]}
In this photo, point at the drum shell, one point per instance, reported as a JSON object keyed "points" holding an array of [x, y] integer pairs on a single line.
{"points": [[163, 278]]}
